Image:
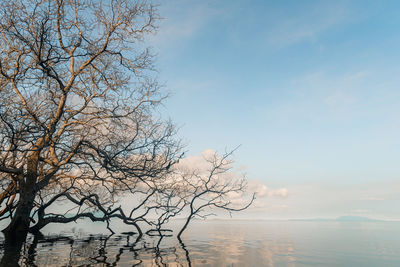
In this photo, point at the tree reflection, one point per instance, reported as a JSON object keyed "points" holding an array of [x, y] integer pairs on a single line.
{"points": [[97, 250], [186, 252]]}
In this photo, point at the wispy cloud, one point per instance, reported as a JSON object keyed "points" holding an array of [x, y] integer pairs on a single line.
{"points": [[308, 24], [325, 96], [181, 22]]}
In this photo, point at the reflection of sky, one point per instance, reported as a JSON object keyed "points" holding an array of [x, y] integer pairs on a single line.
{"points": [[280, 243], [238, 243], [309, 88], [243, 244]]}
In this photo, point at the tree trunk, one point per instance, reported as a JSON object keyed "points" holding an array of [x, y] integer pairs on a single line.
{"points": [[184, 226], [19, 225], [12, 252]]}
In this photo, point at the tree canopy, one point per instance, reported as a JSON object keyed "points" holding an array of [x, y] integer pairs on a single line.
{"points": [[78, 128]]}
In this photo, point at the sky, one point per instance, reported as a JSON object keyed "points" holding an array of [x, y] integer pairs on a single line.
{"points": [[308, 89]]}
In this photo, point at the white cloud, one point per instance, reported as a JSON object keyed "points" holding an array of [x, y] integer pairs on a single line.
{"points": [[202, 166], [282, 192], [200, 163], [262, 190]]}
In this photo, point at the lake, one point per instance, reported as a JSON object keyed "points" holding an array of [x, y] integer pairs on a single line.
{"points": [[224, 243]]}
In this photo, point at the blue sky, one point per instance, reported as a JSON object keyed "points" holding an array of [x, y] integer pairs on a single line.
{"points": [[309, 89]]}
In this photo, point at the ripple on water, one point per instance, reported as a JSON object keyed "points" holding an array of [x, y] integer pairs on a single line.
{"points": [[226, 244]]}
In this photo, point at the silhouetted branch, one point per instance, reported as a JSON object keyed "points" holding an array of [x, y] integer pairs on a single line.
{"points": [[214, 188], [77, 124]]}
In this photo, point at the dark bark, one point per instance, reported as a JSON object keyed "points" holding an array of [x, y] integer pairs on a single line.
{"points": [[184, 227], [189, 262], [12, 249], [78, 95], [19, 225]]}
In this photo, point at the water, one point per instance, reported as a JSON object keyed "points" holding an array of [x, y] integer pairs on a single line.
{"points": [[227, 243]]}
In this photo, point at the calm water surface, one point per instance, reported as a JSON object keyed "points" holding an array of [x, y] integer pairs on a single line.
{"points": [[225, 243]]}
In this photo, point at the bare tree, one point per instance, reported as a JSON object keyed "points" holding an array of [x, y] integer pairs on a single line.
{"points": [[77, 121], [217, 187]]}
